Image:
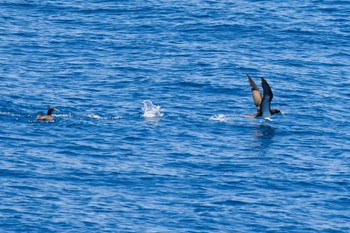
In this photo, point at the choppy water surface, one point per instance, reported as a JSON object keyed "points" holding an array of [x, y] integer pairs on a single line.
{"points": [[151, 136]]}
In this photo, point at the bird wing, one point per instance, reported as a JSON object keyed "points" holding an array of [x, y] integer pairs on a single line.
{"points": [[253, 115], [267, 97], [255, 93]]}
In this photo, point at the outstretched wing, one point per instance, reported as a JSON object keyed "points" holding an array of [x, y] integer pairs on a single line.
{"points": [[267, 97], [255, 93]]}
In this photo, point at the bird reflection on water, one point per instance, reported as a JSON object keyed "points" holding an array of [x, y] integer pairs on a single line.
{"points": [[264, 134]]}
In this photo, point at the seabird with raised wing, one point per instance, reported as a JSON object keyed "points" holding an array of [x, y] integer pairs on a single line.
{"points": [[262, 102]]}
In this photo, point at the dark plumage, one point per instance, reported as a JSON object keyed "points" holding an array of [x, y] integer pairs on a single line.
{"points": [[48, 116], [262, 102]]}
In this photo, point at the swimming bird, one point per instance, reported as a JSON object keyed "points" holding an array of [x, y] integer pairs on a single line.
{"points": [[48, 116], [262, 103]]}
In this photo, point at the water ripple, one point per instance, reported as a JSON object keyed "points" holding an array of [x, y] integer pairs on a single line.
{"points": [[187, 160]]}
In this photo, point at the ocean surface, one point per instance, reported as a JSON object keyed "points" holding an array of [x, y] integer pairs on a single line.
{"points": [[151, 135]]}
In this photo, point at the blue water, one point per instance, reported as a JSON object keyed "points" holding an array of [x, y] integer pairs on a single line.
{"points": [[196, 164]]}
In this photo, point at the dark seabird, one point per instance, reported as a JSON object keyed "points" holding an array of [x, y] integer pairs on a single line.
{"points": [[262, 103], [47, 117]]}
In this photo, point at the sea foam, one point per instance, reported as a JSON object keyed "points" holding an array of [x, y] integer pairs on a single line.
{"points": [[219, 117]]}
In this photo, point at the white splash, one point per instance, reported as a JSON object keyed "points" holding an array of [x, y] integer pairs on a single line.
{"points": [[150, 110], [219, 117]]}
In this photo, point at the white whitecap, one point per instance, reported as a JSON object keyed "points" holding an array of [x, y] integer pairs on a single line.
{"points": [[219, 117], [97, 117], [64, 115], [9, 114], [150, 110], [115, 117], [94, 116]]}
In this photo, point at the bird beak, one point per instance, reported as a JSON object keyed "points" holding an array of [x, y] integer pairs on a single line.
{"points": [[282, 113], [56, 109]]}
